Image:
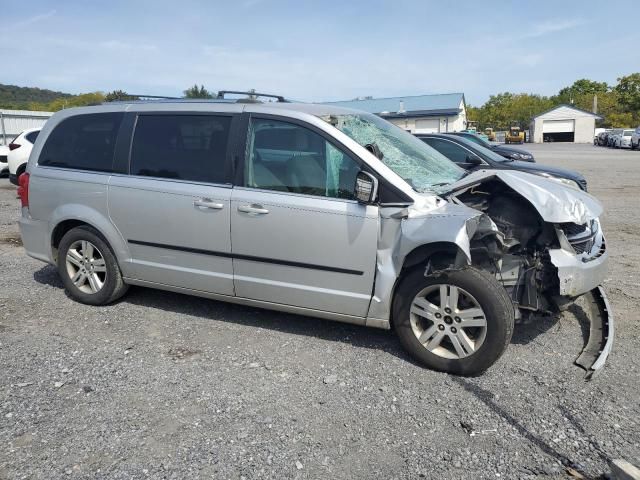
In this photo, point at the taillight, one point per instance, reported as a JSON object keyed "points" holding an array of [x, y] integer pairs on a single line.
{"points": [[23, 189], [13, 146]]}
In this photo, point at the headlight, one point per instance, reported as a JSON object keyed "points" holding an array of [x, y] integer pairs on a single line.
{"points": [[564, 181], [520, 156]]}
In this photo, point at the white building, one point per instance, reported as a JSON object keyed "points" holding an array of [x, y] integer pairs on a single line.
{"points": [[564, 123], [13, 122], [416, 114]]}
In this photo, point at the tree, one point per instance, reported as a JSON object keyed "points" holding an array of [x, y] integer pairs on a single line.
{"points": [[628, 90], [118, 95], [580, 88], [197, 92]]}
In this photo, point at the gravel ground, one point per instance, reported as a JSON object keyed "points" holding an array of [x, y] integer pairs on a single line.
{"points": [[162, 385]]}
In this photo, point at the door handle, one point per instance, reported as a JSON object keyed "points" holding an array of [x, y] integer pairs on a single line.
{"points": [[253, 209], [207, 203]]}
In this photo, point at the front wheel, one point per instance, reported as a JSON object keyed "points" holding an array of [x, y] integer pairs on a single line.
{"points": [[456, 321]]}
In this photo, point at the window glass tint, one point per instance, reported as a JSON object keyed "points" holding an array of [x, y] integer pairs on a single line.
{"points": [[185, 147], [31, 136], [449, 149], [290, 158], [84, 142]]}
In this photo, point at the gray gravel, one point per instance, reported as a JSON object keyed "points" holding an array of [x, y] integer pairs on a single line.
{"points": [[163, 385]]}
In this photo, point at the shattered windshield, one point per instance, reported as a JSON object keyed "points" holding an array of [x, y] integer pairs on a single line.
{"points": [[417, 163]]}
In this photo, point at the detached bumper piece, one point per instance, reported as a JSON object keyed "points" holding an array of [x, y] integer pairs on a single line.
{"points": [[595, 353]]}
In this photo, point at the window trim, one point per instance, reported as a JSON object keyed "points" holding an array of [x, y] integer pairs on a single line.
{"points": [[76, 169], [129, 136], [464, 147], [294, 121]]}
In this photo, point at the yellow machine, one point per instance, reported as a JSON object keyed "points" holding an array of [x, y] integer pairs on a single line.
{"points": [[491, 135], [514, 135]]}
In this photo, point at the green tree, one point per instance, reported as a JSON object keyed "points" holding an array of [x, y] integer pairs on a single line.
{"points": [[118, 95], [197, 92], [628, 90], [580, 88]]}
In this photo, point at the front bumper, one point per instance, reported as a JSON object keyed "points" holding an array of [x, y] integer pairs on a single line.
{"points": [[595, 353], [579, 275]]}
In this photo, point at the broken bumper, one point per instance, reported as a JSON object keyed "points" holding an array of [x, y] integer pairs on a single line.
{"points": [[579, 275], [595, 353]]}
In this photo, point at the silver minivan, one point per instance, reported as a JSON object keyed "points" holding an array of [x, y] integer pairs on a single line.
{"points": [[315, 210]]}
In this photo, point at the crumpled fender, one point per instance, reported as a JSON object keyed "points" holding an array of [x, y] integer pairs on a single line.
{"points": [[404, 229], [555, 202]]}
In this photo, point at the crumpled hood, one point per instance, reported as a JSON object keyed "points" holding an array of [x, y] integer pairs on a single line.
{"points": [[555, 202]]}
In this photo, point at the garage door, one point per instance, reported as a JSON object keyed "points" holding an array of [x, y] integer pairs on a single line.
{"points": [[557, 126], [428, 125]]}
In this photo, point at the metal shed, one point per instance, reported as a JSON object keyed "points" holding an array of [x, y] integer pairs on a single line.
{"points": [[13, 122], [564, 123]]}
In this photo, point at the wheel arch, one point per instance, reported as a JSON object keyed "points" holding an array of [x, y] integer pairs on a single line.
{"points": [[72, 216]]}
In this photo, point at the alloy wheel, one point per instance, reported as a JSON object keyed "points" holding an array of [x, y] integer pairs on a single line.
{"points": [[86, 266], [448, 321]]}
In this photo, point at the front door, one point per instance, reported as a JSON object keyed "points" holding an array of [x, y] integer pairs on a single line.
{"points": [[299, 238], [173, 209]]}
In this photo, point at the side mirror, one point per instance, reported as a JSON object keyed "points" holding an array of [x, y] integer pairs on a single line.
{"points": [[473, 160], [366, 188]]}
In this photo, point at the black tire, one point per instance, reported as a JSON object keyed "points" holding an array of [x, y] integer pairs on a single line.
{"points": [[113, 287], [489, 294]]}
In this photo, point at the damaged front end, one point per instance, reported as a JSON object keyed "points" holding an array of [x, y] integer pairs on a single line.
{"points": [[544, 243]]}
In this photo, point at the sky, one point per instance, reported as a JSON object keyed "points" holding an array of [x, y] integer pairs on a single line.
{"points": [[318, 50]]}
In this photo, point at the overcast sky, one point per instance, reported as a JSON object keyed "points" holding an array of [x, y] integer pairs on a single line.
{"points": [[321, 50]]}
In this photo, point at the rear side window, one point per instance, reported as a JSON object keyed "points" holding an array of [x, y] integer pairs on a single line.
{"points": [[31, 136], [83, 142], [184, 147]]}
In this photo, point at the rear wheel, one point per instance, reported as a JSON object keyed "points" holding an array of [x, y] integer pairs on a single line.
{"points": [[458, 321], [88, 268]]}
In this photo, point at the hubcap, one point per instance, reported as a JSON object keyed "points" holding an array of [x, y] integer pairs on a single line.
{"points": [[448, 321], [86, 267]]}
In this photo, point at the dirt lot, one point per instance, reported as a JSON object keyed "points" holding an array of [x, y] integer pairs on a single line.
{"points": [[163, 385]]}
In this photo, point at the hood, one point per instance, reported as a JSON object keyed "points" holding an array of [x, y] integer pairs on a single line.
{"points": [[503, 149], [554, 202], [539, 168]]}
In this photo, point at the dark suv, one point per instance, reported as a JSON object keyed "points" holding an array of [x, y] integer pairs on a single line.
{"points": [[507, 152]]}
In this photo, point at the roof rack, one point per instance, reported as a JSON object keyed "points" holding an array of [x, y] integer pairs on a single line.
{"points": [[250, 94], [159, 97]]}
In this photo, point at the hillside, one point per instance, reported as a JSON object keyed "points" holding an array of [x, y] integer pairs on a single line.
{"points": [[12, 96]]}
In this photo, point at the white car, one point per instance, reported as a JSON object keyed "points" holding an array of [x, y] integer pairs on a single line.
{"points": [[19, 151], [623, 139], [4, 167], [635, 139]]}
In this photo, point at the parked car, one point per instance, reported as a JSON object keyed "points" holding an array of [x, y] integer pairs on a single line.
{"points": [[612, 137], [310, 209], [507, 152], [602, 137], [472, 156], [4, 166], [635, 139], [20, 148], [623, 139]]}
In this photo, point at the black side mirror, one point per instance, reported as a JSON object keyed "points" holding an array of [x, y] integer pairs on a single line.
{"points": [[366, 188], [473, 160]]}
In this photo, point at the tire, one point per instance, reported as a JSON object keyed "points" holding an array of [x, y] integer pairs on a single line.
{"points": [[473, 285], [99, 282]]}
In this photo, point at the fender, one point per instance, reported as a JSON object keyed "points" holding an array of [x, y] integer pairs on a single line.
{"points": [[97, 220]]}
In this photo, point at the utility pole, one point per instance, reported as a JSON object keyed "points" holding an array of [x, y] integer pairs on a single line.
{"points": [[595, 104]]}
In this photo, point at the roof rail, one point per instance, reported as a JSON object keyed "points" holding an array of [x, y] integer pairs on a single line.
{"points": [[250, 94], [160, 97]]}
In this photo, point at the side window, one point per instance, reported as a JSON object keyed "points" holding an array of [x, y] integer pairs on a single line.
{"points": [[452, 151], [286, 157], [184, 147], [84, 142], [31, 136]]}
